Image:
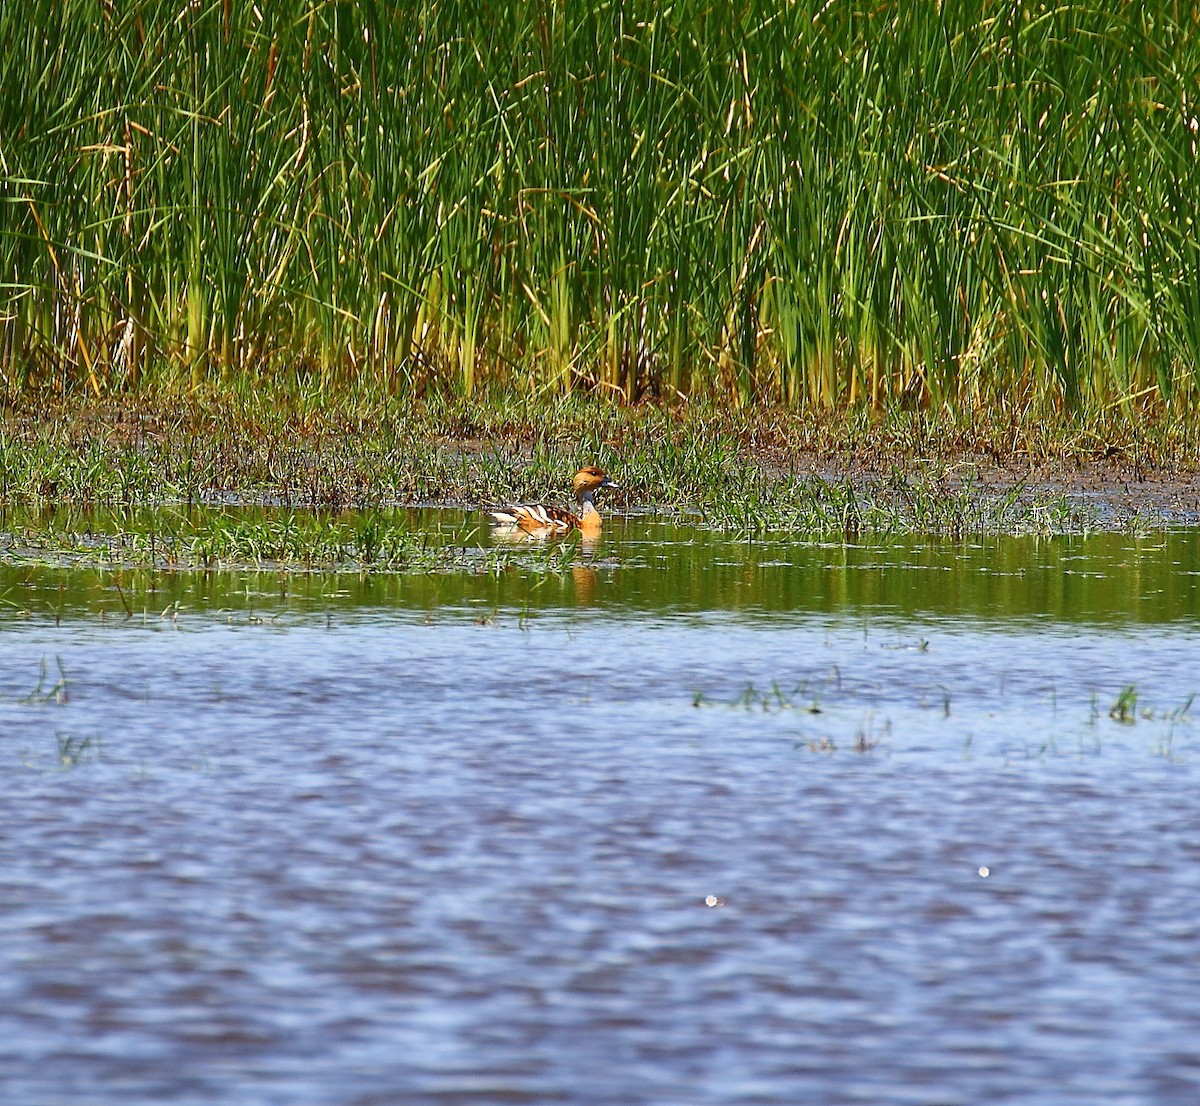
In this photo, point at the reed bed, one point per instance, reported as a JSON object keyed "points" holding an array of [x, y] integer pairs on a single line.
{"points": [[829, 204]]}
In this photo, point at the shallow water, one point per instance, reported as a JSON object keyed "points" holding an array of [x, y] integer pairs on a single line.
{"points": [[689, 820]]}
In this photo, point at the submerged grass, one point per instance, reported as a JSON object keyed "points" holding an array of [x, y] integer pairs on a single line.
{"points": [[826, 205]]}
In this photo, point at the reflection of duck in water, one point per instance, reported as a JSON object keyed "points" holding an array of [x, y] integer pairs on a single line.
{"points": [[542, 521], [584, 578]]}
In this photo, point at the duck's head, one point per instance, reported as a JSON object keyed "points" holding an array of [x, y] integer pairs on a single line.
{"points": [[591, 479]]}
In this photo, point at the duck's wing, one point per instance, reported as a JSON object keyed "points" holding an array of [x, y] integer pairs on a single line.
{"points": [[535, 517]]}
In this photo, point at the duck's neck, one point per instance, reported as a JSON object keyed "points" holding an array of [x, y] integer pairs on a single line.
{"points": [[587, 506]]}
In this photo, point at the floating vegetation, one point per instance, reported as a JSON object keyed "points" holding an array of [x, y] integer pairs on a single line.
{"points": [[202, 536]]}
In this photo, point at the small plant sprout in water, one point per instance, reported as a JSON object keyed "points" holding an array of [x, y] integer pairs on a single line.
{"points": [[54, 694], [1125, 711], [865, 740], [6, 602], [73, 750], [1174, 718], [1124, 708]]}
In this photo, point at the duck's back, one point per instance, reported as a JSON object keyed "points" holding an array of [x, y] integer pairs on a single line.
{"points": [[536, 516]]}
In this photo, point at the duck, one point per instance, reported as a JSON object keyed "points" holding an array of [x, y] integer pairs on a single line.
{"points": [[544, 521]]}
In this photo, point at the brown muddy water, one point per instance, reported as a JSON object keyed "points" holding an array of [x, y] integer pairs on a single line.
{"points": [[680, 820]]}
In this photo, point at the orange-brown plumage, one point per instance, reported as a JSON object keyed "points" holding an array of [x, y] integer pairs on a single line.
{"points": [[539, 519]]}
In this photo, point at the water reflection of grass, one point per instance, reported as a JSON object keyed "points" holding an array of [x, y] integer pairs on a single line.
{"points": [[641, 567]]}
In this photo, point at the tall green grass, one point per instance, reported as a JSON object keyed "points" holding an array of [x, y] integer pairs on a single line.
{"points": [[820, 202]]}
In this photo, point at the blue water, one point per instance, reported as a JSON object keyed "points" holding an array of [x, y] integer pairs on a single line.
{"points": [[481, 853]]}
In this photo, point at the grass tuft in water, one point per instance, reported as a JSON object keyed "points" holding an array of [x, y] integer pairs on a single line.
{"points": [[73, 751], [1124, 708], [49, 693]]}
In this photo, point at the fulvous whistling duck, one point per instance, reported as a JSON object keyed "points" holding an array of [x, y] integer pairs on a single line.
{"points": [[546, 521]]}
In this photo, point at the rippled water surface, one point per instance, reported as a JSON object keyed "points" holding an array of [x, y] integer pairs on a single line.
{"points": [[678, 820]]}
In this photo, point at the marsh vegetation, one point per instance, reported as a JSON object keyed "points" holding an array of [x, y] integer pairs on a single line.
{"points": [[752, 472], [825, 205]]}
